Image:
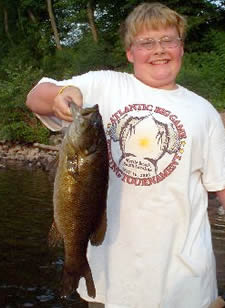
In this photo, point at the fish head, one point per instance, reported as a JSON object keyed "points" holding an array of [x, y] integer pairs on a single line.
{"points": [[86, 128]]}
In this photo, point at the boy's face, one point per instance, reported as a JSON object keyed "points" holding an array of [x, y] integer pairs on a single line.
{"points": [[157, 67]]}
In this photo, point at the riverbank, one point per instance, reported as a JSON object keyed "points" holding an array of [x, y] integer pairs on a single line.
{"points": [[34, 155]]}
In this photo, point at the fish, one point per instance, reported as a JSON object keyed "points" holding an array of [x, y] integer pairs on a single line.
{"points": [[80, 196]]}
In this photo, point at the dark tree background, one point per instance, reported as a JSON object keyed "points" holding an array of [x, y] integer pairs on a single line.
{"points": [[61, 38]]}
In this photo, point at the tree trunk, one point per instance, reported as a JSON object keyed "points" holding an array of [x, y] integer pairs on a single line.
{"points": [[53, 24], [91, 21], [6, 25], [31, 16]]}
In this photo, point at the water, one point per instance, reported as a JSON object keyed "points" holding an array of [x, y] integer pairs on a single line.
{"points": [[218, 235], [29, 271]]}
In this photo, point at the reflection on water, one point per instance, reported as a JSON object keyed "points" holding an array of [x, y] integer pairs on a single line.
{"points": [[218, 233], [29, 271]]}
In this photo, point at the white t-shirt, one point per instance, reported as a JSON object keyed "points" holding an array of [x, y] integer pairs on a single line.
{"points": [[166, 150]]}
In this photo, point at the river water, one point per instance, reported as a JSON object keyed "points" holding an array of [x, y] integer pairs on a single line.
{"points": [[29, 271]]}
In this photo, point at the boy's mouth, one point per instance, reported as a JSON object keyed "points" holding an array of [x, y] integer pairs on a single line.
{"points": [[159, 62]]}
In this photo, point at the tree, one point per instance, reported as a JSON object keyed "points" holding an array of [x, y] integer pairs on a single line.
{"points": [[53, 24], [91, 20]]}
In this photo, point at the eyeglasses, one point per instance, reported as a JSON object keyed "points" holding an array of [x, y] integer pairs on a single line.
{"points": [[165, 42]]}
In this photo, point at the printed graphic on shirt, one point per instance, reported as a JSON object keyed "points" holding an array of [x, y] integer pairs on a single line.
{"points": [[145, 144]]}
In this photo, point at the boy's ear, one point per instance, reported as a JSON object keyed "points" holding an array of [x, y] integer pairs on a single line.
{"points": [[129, 55]]}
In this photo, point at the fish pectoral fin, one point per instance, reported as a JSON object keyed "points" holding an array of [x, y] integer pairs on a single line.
{"points": [[72, 165], [98, 235], [54, 237]]}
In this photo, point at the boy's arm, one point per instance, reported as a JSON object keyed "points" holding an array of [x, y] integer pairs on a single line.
{"points": [[46, 99]]}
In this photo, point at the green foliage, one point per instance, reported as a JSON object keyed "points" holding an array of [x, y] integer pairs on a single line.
{"points": [[95, 56], [27, 52], [22, 132], [85, 56], [59, 65], [202, 74], [16, 121]]}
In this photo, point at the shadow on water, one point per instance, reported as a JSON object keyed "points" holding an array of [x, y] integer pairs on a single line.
{"points": [[29, 271]]}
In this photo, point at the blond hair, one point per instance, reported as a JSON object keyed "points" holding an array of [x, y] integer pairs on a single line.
{"points": [[151, 16]]}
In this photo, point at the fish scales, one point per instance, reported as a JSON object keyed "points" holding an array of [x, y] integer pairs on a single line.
{"points": [[80, 193]]}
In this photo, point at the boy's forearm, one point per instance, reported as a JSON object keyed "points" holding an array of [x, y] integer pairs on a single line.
{"points": [[41, 99]]}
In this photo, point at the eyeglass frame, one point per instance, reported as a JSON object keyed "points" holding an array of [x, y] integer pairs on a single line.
{"points": [[160, 41]]}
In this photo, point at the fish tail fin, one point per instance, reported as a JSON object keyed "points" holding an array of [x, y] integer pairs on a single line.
{"points": [[89, 281], [69, 283], [71, 280], [54, 237]]}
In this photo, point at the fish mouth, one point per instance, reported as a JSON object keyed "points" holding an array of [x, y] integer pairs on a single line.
{"points": [[91, 116], [87, 112], [85, 119], [75, 109], [79, 112]]}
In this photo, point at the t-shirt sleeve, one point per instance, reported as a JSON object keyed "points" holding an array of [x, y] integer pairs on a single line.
{"points": [[213, 176]]}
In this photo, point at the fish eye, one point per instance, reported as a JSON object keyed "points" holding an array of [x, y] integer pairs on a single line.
{"points": [[95, 123]]}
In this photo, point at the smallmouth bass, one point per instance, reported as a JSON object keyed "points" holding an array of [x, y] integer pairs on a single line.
{"points": [[79, 197]]}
